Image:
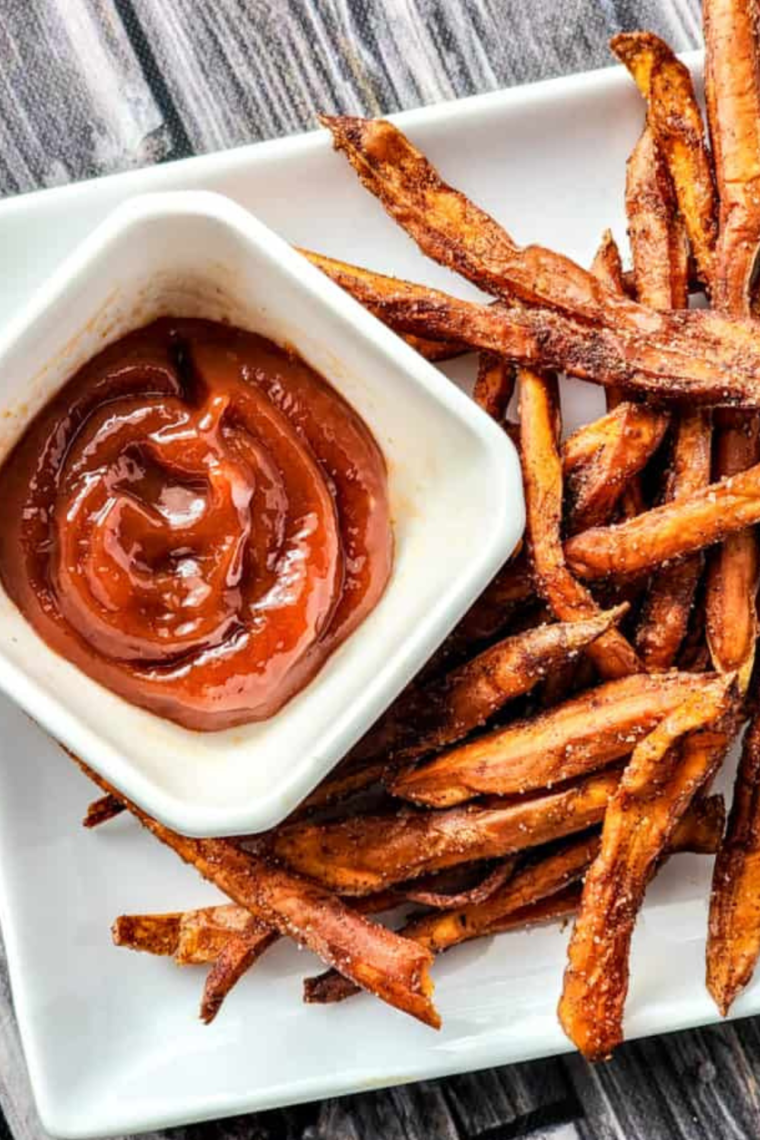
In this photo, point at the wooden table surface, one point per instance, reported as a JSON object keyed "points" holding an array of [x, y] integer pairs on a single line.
{"points": [[88, 87]]}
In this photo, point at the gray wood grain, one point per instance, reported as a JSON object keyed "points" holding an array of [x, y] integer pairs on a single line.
{"points": [[92, 86]]}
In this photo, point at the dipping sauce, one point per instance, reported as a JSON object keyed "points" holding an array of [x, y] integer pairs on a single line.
{"points": [[196, 520]]}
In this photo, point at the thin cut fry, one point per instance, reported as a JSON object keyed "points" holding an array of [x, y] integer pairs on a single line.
{"points": [[542, 478], [101, 810], [626, 439], [676, 124], [494, 385], [732, 88], [391, 967], [444, 710], [370, 294], [152, 933], [363, 854], [670, 598], [235, 959], [733, 943], [552, 877], [661, 269], [673, 530], [333, 987], [204, 933], [657, 787], [698, 354], [581, 735], [656, 229], [607, 267]]}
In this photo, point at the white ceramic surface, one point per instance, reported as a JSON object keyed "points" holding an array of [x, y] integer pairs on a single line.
{"points": [[192, 253], [112, 1038]]}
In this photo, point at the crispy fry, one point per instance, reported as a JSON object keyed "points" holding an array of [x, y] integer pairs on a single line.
{"points": [[733, 570], [368, 288], [670, 598], [607, 267], [655, 790], [542, 478], [373, 957], [552, 877], [581, 735], [494, 385], [732, 87], [697, 354], [234, 960], [625, 440], [438, 900], [507, 593], [444, 710], [656, 229], [732, 90], [661, 269], [673, 530], [333, 987], [101, 810], [204, 933], [362, 854], [733, 941], [676, 124], [152, 933]]}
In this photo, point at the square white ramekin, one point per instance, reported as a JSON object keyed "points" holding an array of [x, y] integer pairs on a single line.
{"points": [[455, 485]]}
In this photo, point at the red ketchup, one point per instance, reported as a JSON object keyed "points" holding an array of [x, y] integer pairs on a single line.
{"points": [[196, 520]]}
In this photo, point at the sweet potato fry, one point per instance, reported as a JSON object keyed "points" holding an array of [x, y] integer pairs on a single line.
{"points": [[436, 712], [552, 877], [703, 356], [732, 88], [494, 385], [362, 854], [581, 735], [101, 810], [391, 967], [698, 354], [733, 943], [607, 267], [732, 91], [368, 288], [234, 960], [661, 270], [542, 479], [332, 987], [671, 531], [444, 710], [676, 125], [665, 771], [596, 480], [204, 933], [152, 933], [669, 600], [656, 229], [505, 595]]}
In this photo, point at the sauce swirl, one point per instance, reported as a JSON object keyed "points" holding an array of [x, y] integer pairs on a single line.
{"points": [[197, 520]]}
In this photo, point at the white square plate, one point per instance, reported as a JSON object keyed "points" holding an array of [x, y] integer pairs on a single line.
{"points": [[112, 1039]]}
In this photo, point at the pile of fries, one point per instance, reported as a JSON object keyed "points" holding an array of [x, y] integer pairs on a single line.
{"points": [[562, 743]]}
